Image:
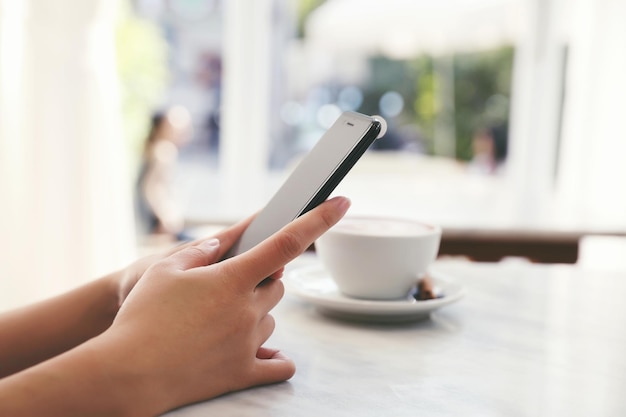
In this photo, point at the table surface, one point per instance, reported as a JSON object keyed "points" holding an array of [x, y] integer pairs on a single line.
{"points": [[526, 340]]}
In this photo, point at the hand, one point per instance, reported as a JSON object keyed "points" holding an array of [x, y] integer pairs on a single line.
{"points": [[125, 280], [193, 329]]}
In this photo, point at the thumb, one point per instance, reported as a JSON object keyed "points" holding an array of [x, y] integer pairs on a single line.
{"points": [[203, 254]]}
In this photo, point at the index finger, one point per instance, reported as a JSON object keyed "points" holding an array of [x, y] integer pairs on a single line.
{"points": [[273, 253]]}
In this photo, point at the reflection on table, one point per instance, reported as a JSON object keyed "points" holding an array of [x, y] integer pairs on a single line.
{"points": [[526, 340]]}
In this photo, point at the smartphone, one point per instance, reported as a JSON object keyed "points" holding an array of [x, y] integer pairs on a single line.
{"points": [[315, 177]]}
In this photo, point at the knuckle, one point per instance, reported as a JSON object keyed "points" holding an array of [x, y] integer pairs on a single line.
{"points": [[157, 269], [328, 219], [246, 315], [249, 317], [288, 244], [279, 288], [229, 275], [271, 323], [195, 252]]}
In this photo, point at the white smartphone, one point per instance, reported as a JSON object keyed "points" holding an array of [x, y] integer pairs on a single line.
{"points": [[315, 177]]}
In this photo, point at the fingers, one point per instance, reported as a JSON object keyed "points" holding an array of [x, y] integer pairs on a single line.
{"points": [[268, 293], [278, 274], [273, 366], [227, 238], [194, 256], [284, 246], [269, 353], [266, 328]]}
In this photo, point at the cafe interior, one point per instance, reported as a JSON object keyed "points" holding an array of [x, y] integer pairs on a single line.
{"points": [[504, 128]]}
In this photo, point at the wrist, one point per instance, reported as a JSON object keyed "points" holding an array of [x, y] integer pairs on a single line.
{"points": [[113, 284], [129, 383]]}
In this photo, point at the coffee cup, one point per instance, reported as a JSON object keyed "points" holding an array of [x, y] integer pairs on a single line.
{"points": [[378, 258]]}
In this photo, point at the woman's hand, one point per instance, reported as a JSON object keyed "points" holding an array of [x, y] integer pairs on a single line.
{"points": [[193, 329], [125, 280]]}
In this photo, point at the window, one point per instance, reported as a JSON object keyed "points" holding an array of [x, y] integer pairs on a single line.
{"points": [[486, 99]]}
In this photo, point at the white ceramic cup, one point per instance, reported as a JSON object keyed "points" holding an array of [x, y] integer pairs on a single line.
{"points": [[378, 258]]}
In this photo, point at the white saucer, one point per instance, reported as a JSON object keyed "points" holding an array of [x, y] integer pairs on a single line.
{"points": [[314, 285]]}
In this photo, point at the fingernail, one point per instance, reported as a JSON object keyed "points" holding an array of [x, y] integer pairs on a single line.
{"points": [[211, 244], [343, 203]]}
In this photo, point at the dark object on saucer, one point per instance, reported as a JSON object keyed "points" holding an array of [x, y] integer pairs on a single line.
{"points": [[425, 289]]}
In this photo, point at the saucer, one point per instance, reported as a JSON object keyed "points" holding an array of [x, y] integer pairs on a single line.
{"points": [[315, 285]]}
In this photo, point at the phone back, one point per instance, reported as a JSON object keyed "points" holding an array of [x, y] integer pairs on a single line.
{"points": [[308, 178]]}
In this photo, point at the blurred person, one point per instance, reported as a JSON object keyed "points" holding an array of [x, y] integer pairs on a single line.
{"points": [[209, 77], [489, 148], [158, 210], [166, 331]]}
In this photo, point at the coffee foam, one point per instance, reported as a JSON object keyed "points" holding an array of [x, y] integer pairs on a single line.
{"points": [[381, 227]]}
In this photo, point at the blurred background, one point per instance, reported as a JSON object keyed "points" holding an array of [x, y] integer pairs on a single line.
{"points": [[128, 123]]}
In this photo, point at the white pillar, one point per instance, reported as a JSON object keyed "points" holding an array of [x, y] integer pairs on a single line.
{"points": [[536, 96], [244, 142], [66, 198], [592, 176]]}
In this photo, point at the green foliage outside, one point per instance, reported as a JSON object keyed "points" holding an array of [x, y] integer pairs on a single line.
{"points": [[482, 91], [426, 103], [481, 85], [389, 75]]}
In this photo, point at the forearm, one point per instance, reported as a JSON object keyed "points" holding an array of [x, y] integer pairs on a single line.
{"points": [[80, 382], [35, 333]]}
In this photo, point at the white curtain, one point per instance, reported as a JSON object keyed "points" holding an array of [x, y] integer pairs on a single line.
{"points": [[66, 210], [592, 175], [244, 146], [568, 136]]}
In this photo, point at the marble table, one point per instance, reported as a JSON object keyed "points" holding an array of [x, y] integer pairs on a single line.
{"points": [[526, 340]]}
